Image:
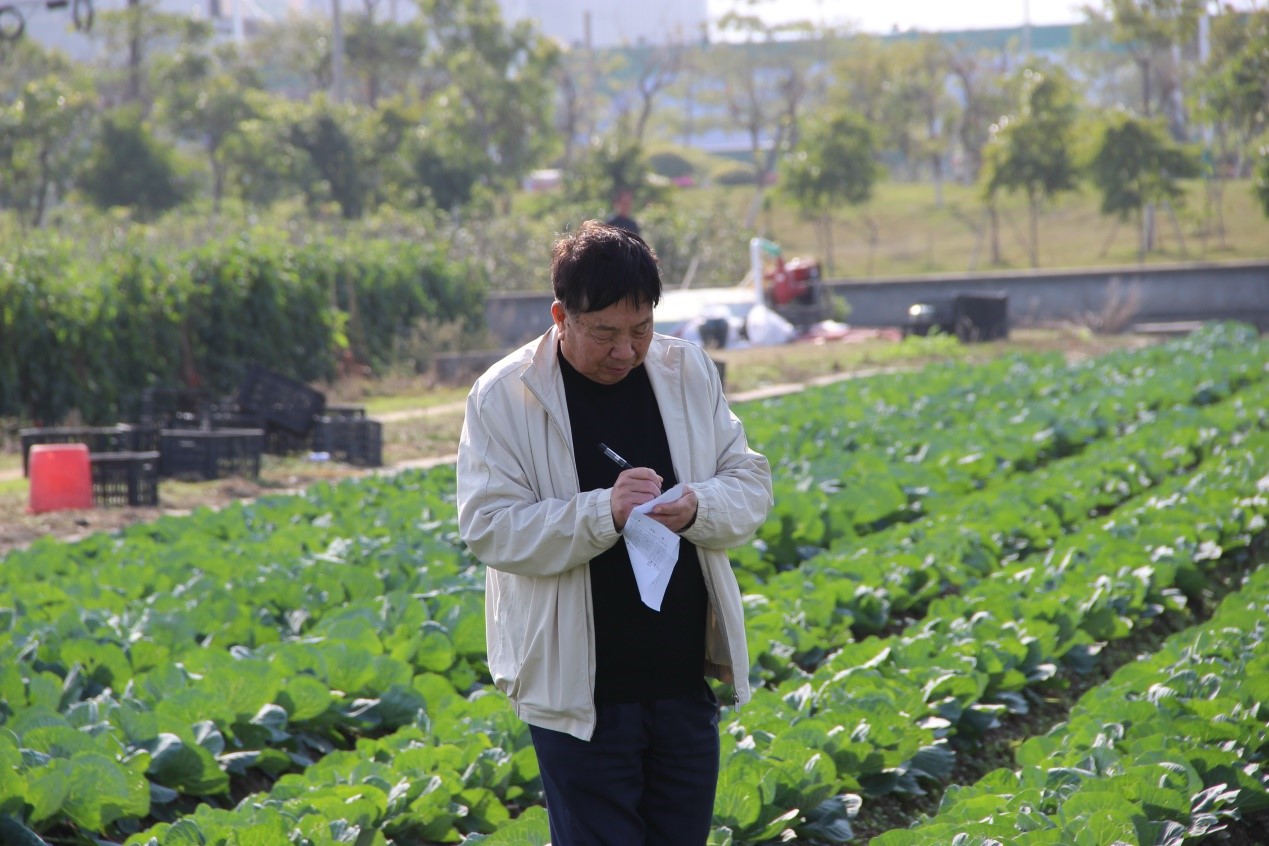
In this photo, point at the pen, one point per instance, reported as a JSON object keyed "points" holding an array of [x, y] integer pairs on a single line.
{"points": [[620, 462], [617, 459]]}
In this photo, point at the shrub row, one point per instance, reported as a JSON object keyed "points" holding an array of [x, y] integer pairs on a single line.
{"points": [[89, 334]]}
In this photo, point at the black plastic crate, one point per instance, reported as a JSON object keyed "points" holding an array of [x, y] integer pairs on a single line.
{"points": [[284, 402], [121, 438], [125, 478], [358, 442], [345, 412], [173, 408], [228, 414], [278, 441], [210, 454]]}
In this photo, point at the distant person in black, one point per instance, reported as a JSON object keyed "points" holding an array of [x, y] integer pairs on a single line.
{"points": [[622, 203]]}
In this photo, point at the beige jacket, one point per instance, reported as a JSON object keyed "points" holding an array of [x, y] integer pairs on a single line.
{"points": [[520, 512]]}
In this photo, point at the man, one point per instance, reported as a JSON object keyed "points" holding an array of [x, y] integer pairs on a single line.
{"points": [[622, 206], [623, 721]]}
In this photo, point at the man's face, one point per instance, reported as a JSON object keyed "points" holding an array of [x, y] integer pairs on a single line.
{"points": [[604, 346]]}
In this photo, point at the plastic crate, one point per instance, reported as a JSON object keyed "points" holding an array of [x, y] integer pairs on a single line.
{"points": [[120, 438], [171, 408], [358, 442], [228, 414], [210, 454], [125, 478], [345, 412], [278, 441], [284, 402]]}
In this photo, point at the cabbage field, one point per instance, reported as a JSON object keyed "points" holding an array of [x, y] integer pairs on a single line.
{"points": [[1012, 603]]}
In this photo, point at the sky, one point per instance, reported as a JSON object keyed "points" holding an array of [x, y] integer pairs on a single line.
{"points": [[882, 16]]}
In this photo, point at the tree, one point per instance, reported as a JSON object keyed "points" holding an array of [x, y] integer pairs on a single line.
{"points": [[659, 69], [833, 165], [1231, 99], [327, 134], [135, 32], [384, 55], [299, 47], [1153, 31], [128, 167], [493, 83], [203, 97], [1030, 152], [1136, 164], [764, 85], [985, 96], [1234, 84], [612, 163], [41, 135], [1261, 184], [919, 107], [261, 166]]}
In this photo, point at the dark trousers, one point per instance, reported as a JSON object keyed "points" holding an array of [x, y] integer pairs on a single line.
{"points": [[646, 778]]}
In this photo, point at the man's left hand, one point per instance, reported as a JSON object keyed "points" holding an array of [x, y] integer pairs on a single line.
{"points": [[677, 515]]}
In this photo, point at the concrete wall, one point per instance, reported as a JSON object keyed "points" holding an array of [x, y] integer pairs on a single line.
{"points": [[1174, 293], [1233, 290]]}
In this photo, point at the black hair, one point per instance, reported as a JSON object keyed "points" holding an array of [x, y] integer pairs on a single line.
{"points": [[599, 265]]}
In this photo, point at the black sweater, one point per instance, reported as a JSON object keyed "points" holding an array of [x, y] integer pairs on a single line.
{"points": [[641, 654]]}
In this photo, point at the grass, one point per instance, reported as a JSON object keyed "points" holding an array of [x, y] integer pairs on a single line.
{"points": [[917, 236]]}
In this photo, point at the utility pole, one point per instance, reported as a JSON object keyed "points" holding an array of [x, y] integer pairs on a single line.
{"points": [[1026, 29], [337, 54]]}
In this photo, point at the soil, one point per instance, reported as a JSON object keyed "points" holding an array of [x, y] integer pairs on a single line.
{"points": [[19, 529]]}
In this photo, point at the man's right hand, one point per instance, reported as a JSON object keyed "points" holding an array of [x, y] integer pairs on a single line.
{"points": [[633, 487]]}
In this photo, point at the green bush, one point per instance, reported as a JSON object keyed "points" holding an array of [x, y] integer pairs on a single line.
{"points": [[734, 175], [88, 333], [670, 164]]}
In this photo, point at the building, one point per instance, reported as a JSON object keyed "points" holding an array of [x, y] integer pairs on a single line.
{"points": [[613, 23]]}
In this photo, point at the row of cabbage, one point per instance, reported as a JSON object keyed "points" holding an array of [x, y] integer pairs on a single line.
{"points": [[175, 662], [880, 712], [911, 445], [1169, 750], [875, 583]]}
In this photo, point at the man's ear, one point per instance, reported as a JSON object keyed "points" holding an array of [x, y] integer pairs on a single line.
{"points": [[558, 314]]}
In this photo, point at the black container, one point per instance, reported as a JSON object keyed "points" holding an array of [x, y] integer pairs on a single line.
{"points": [[214, 454], [358, 442], [284, 402], [278, 441], [345, 412], [125, 478], [173, 408], [121, 438]]}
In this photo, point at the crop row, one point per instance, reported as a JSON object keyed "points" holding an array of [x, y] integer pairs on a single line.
{"points": [[881, 711], [902, 447], [1168, 750], [865, 587]]}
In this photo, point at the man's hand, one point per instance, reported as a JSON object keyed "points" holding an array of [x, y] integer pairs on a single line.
{"points": [[677, 515], [633, 487]]}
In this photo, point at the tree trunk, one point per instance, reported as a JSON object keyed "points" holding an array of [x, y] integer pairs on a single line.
{"points": [[993, 225], [1141, 241], [134, 51], [1035, 233]]}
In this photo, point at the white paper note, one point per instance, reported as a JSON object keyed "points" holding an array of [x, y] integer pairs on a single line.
{"points": [[653, 549]]}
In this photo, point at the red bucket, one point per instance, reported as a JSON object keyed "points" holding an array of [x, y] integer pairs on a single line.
{"points": [[61, 477]]}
